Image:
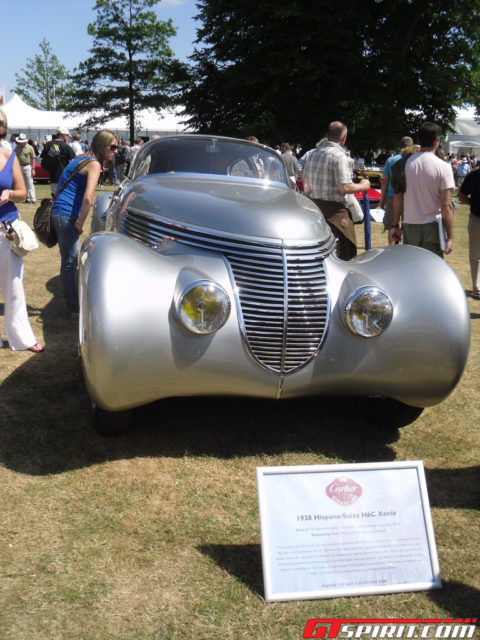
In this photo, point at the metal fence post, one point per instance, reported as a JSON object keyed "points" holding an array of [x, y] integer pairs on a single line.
{"points": [[366, 220]]}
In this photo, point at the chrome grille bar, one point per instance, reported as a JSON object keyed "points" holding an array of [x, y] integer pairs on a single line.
{"points": [[281, 291]]}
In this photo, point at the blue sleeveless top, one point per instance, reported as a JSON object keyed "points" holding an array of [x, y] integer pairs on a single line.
{"points": [[69, 201], [8, 211]]}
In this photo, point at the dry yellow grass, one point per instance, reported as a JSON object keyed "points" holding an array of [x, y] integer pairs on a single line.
{"points": [[155, 535]]}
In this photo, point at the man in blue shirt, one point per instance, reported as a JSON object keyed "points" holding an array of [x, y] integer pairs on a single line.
{"points": [[386, 201], [463, 169]]}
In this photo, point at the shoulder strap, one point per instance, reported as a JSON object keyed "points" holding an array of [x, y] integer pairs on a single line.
{"points": [[78, 168]]}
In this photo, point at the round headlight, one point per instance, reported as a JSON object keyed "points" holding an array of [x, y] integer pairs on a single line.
{"points": [[369, 312], [203, 307]]}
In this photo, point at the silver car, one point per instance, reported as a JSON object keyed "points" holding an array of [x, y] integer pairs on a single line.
{"points": [[208, 274]]}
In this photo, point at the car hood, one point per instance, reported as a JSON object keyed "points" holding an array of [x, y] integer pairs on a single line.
{"points": [[230, 205]]}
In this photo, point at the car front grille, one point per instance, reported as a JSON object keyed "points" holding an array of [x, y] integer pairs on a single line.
{"points": [[281, 291]]}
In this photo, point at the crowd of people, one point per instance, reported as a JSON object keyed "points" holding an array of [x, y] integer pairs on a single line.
{"points": [[416, 192], [74, 175], [416, 188], [56, 151], [461, 167]]}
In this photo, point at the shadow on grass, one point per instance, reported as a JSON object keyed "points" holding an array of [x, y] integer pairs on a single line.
{"points": [[51, 431], [454, 488], [457, 599], [244, 562], [46, 421], [32, 311]]}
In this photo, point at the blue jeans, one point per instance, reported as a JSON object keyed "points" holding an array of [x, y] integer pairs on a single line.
{"points": [[68, 243]]}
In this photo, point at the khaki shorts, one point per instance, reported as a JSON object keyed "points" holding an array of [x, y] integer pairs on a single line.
{"points": [[423, 235], [340, 222], [388, 216]]}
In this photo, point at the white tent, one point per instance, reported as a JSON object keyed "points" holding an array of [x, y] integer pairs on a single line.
{"points": [[34, 122], [466, 136]]}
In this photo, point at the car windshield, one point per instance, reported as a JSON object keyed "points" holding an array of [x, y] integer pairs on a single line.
{"points": [[214, 156]]}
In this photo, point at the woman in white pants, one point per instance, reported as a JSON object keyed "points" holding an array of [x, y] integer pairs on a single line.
{"points": [[12, 189]]}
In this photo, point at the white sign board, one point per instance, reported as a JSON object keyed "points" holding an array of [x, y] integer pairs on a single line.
{"points": [[339, 530]]}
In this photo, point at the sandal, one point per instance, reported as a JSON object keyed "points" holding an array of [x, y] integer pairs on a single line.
{"points": [[37, 348]]}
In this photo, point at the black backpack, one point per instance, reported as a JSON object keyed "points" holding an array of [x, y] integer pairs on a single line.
{"points": [[398, 181], [121, 155], [50, 160]]}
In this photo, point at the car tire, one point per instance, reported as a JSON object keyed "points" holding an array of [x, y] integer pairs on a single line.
{"points": [[388, 413], [111, 423]]}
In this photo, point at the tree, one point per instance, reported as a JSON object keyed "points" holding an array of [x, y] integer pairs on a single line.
{"points": [[283, 69], [131, 65], [42, 83]]}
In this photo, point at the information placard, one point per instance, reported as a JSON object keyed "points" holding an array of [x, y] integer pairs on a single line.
{"points": [[339, 530]]}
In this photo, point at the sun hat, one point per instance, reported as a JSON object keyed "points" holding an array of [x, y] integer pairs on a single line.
{"points": [[21, 138]]}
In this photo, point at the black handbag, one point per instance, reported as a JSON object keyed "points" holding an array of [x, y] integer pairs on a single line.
{"points": [[42, 223]]}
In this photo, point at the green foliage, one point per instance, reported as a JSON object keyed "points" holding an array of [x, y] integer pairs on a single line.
{"points": [[283, 69], [42, 83], [131, 65]]}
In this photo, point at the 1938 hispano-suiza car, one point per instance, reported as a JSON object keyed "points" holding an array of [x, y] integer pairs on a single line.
{"points": [[208, 274]]}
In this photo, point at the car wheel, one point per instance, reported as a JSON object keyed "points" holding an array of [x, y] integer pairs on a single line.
{"points": [[388, 413], [111, 423]]}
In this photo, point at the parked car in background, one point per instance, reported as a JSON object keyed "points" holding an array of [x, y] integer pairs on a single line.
{"points": [[41, 174], [374, 197], [373, 173], [208, 274]]}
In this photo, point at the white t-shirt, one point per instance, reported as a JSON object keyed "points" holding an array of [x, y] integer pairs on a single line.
{"points": [[426, 175], [77, 147]]}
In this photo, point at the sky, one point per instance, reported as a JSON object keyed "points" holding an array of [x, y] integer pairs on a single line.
{"points": [[63, 23]]}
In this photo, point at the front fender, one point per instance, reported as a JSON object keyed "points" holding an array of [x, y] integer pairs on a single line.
{"points": [[99, 213], [134, 348], [420, 357]]}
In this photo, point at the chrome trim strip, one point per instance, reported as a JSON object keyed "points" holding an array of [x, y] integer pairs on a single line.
{"points": [[238, 239], [241, 322], [285, 323]]}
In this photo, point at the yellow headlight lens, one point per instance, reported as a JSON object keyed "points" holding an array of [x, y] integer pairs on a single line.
{"points": [[369, 312], [203, 307]]}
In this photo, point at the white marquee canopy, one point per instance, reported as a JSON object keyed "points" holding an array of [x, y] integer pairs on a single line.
{"points": [[22, 118], [466, 136]]}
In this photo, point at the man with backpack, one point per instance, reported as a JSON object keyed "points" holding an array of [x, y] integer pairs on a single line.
{"points": [[425, 194], [55, 156], [386, 202]]}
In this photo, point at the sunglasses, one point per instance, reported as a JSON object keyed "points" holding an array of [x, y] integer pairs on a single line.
{"points": [[114, 147]]}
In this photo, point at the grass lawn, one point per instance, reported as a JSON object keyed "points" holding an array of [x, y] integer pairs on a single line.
{"points": [[155, 535]]}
